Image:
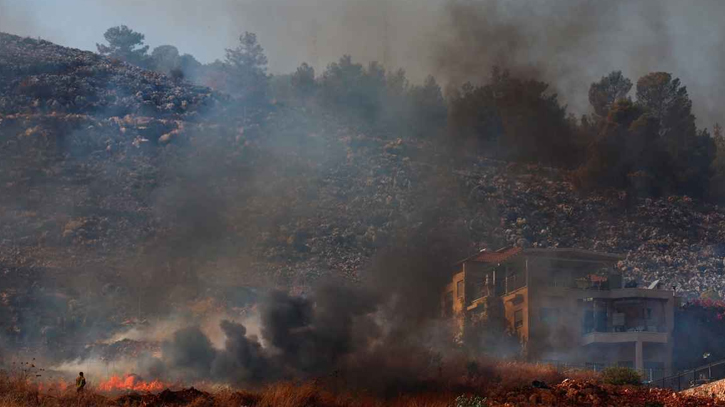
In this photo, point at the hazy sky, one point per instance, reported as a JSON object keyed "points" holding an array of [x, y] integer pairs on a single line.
{"points": [[570, 43], [291, 31]]}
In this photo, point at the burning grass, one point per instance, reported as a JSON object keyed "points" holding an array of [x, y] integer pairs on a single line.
{"points": [[131, 382], [491, 384]]}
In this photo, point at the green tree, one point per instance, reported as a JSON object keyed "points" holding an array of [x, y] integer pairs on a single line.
{"points": [[717, 183], [608, 90], [353, 90], [691, 152], [246, 66], [652, 146], [165, 58], [125, 44], [429, 109], [661, 95], [668, 101], [514, 118], [624, 153], [303, 80], [190, 67]]}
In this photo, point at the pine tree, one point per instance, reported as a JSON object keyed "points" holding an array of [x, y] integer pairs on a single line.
{"points": [[123, 43], [246, 66]]}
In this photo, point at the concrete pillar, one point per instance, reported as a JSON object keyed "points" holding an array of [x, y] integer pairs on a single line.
{"points": [[638, 356], [668, 358], [610, 315]]}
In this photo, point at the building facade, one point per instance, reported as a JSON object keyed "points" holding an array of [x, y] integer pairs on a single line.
{"points": [[565, 306]]}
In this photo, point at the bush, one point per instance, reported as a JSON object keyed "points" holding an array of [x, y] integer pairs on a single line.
{"points": [[470, 401], [621, 375]]}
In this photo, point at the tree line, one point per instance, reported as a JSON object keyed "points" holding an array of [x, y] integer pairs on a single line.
{"points": [[646, 143]]}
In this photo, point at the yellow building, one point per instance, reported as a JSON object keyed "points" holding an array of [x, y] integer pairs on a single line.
{"points": [[566, 306]]}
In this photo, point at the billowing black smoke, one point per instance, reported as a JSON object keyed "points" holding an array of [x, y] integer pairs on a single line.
{"points": [[389, 323], [571, 43], [191, 356]]}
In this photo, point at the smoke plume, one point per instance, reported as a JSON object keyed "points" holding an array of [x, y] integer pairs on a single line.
{"points": [[570, 44], [354, 331]]}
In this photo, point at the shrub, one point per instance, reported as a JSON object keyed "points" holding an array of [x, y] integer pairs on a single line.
{"points": [[621, 375], [470, 401]]}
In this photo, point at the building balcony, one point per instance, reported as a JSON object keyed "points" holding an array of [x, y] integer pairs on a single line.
{"points": [[478, 302], [620, 293], [611, 294], [623, 337]]}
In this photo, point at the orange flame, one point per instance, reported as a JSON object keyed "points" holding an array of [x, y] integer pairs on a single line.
{"points": [[131, 382]]}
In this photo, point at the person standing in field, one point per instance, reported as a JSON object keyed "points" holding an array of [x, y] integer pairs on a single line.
{"points": [[80, 382]]}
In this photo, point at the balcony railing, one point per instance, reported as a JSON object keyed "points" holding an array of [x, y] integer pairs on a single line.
{"points": [[591, 281], [513, 283], [504, 286], [649, 327]]}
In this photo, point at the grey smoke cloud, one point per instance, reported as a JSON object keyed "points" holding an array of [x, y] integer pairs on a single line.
{"points": [[572, 43], [316, 31]]}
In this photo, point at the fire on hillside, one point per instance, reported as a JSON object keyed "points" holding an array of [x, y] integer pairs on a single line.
{"points": [[130, 382]]}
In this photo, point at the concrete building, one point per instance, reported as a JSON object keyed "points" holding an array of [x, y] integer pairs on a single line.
{"points": [[566, 306]]}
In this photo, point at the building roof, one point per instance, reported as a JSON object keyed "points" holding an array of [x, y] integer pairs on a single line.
{"points": [[507, 253], [569, 252], [493, 257]]}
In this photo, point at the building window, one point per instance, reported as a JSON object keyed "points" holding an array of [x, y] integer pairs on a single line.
{"points": [[549, 316], [459, 289], [518, 319], [448, 304]]}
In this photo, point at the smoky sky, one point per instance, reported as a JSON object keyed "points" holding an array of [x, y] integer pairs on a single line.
{"points": [[290, 31], [572, 43], [569, 43]]}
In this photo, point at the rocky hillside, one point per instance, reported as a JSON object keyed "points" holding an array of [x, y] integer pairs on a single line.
{"points": [[126, 188]]}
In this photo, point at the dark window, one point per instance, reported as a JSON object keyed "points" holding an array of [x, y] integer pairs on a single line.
{"points": [[448, 304], [518, 319], [594, 321]]}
